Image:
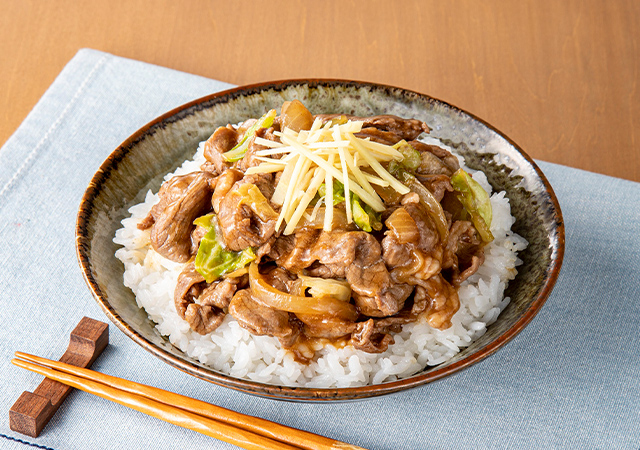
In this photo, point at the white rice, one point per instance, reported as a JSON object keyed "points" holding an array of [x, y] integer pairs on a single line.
{"points": [[233, 350]]}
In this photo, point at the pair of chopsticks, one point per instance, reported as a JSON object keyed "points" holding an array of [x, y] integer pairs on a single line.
{"points": [[229, 426]]}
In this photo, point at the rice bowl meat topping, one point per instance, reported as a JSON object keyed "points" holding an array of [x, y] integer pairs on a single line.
{"points": [[325, 250]]}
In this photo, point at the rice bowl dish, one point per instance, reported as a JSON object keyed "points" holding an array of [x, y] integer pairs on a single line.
{"points": [[233, 350], [141, 162]]}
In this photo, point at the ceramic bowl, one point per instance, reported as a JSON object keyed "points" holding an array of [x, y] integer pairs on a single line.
{"points": [[140, 163]]}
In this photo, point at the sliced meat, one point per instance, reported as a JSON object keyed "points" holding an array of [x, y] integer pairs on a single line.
{"points": [[437, 184], [429, 240], [264, 182], [208, 313], [147, 222], [374, 335], [354, 255], [223, 186], [367, 337], [249, 159], [464, 252], [170, 192], [262, 320], [281, 247], [182, 200], [342, 249], [196, 236], [411, 248], [294, 252], [377, 135], [441, 299], [202, 306], [219, 294], [326, 327], [189, 286], [394, 253], [435, 160], [321, 271], [221, 141], [375, 293], [407, 129], [279, 279], [241, 226], [265, 249]]}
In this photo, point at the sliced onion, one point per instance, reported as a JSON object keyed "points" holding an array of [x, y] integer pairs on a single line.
{"points": [[296, 116], [339, 221], [403, 226], [433, 207], [252, 197], [326, 287], [266, 294], [388, 194]]}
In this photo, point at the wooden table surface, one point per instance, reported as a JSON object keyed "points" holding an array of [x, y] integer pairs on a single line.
{"points": [[560, 78]]}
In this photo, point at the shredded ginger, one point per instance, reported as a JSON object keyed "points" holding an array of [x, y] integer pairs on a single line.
{"points": [[320, 155]]}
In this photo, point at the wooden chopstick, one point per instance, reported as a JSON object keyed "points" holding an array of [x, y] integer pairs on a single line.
{"points": [[171, 414], [230, 426]]}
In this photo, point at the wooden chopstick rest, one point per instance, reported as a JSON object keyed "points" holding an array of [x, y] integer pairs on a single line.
{"points": [[32, 411]]}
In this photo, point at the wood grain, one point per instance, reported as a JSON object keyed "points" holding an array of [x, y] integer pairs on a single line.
{"points": [[559, 78]]}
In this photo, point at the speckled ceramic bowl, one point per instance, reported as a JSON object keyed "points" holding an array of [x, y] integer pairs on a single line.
{"points": [[158, 148]]}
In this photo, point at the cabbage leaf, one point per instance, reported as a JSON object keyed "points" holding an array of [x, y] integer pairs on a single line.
{"points": [[237, 152], [364, 216], [213, 259], [475, 201]]}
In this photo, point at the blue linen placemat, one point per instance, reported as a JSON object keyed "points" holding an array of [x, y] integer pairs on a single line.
{"points": [[570, 379]]}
